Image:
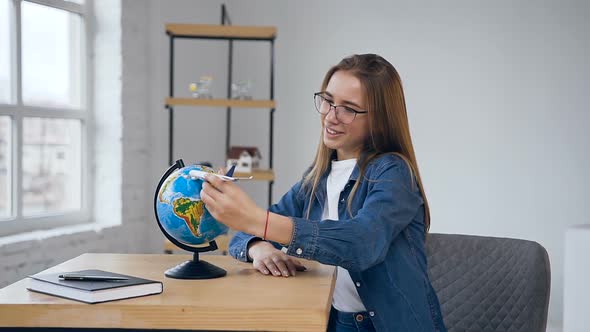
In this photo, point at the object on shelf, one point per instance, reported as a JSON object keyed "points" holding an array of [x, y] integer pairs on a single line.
{"points": [[201, 89], [241, 90], [245, 158]]}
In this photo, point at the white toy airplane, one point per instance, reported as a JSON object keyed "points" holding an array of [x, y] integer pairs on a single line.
{"points": [[194, 174]]}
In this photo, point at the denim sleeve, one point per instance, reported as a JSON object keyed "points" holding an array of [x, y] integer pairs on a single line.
{"points": [[391, 203], [290, 205]]}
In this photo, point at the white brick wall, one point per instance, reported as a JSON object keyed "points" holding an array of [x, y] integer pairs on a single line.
{"points": [[120, 163]]}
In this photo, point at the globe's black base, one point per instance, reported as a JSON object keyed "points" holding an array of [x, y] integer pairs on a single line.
{"points": [[195, 269]]}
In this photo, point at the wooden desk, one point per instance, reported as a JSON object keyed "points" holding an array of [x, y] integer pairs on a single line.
{"points": [[242, 300]]}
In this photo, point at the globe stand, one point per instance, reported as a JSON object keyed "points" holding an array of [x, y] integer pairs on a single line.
{"points": [[196, 268]]}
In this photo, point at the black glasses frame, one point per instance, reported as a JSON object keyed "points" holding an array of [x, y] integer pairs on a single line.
{"points": [[333, 106]]}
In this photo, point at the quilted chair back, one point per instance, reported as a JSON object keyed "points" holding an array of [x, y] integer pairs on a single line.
{"points": [[489, 284]]}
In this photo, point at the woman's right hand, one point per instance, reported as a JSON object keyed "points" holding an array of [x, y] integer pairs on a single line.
{"points": [[267, 259]]}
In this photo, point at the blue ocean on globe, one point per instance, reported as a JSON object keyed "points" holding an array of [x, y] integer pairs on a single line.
{"points": [[182, 213]]}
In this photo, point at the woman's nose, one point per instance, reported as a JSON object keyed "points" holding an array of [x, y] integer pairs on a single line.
{"points": [[331, 116]]}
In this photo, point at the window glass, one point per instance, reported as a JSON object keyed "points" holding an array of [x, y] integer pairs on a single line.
{"points": [[6, 32], [51, 56], [5, 163], [51, 180]]}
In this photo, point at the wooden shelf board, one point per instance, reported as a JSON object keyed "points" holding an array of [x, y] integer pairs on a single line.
{"points": [[221, 31], [221, 102], [259, 174]]}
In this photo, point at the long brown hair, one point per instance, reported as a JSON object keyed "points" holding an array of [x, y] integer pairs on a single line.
{"points": [[389, 131]]}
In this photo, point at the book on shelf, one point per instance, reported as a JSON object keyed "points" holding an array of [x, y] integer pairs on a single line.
{"points": [[91, 290]]}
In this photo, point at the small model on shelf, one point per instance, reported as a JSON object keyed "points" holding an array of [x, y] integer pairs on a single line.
{"points": [[241, 90], [201, 89], [245, 158]]}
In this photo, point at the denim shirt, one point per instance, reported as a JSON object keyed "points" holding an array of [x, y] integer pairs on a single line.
{"points": [[381, 245]]}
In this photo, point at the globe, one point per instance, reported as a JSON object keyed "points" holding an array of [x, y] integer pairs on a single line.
{"points": [[181, 211], [183, 218]]}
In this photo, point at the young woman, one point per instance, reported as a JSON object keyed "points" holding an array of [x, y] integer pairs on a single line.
{"points": [[360, 206]]}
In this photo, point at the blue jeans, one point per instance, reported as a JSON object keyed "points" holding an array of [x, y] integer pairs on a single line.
{"points": [[349, 322]]}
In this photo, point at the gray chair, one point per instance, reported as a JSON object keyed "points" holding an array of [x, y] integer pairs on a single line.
{"points": [[489, 284]]}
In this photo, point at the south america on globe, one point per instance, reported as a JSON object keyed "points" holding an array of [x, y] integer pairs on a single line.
{"points": [[182, 213]]}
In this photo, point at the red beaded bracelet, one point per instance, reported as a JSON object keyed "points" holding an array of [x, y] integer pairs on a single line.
{"points": [[266, 225]]}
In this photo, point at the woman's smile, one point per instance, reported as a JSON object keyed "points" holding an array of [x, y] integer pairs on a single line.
{"points": [[331, 133]]}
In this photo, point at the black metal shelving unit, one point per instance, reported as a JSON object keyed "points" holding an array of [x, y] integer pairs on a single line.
{"points": [[230, 33]]}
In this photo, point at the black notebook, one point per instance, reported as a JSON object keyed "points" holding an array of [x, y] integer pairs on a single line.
{"points": [[94, 291]]}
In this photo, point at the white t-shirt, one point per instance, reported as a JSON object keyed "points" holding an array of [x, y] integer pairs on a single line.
{"points": [[346, 298]]}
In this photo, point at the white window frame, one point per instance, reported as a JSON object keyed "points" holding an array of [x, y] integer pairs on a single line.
{"points": [[17, 223]]}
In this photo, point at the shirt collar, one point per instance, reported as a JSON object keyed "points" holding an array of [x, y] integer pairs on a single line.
{"points": [[353, 177], [320, 192]]}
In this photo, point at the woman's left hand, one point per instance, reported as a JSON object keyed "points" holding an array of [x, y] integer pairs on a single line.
{"points": [[230, 205]]}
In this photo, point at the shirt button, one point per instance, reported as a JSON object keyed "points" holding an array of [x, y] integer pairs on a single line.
{"points": [[359, 317], [371, 313], [241, 254], [299, 251], [358, 284]]}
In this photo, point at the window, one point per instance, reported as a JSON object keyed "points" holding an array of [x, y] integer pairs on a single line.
{"points": [[43, 114]]}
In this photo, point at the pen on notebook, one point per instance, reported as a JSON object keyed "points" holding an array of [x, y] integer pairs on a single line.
{"points": [[82, 277]]}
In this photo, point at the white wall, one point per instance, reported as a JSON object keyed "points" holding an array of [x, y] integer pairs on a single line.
{"points": [[496, 94]]}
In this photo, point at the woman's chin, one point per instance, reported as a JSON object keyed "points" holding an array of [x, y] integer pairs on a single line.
{"points": [[330, 143]]}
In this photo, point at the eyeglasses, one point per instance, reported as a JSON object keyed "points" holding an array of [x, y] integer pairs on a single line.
{"points": [[343, 113]]}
